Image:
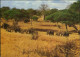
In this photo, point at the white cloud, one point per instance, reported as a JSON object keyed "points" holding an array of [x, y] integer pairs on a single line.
{"points": [[60, 4]]}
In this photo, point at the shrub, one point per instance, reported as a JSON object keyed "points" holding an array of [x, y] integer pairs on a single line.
{"points": [[5, 26], [69, 49], [26, 20], [35, 18], [50, 17]]}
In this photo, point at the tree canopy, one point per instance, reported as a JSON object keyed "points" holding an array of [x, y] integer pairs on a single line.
{"points": [[75, 6]]}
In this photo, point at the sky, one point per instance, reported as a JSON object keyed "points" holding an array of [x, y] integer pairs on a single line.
{"points": [[35, 4]]}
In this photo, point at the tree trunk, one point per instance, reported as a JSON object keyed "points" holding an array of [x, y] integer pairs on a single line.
{"points": [[44, 17], [66, 28], [31, 22]]}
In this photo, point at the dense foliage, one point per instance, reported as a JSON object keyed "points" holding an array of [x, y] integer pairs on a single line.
{"points": [[18, 14], [35, 18], [75, 6], [51, 11], [68, 16]]}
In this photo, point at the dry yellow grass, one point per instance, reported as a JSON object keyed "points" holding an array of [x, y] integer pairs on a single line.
{"points": [[20, 45]]}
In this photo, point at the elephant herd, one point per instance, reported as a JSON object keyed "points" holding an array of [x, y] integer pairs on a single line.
{"points": [[32, 31], [11, 28], [22, 31], [61, 33]]}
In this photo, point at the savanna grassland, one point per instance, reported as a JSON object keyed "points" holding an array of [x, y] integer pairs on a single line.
{"points": [[21, 45], [42, 32]]}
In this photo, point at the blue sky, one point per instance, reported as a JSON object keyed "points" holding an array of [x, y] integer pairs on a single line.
{"points": [[59, 4]]}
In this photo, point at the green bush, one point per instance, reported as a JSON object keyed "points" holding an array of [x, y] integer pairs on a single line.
{"points": [[50, 17], [35, 18]]}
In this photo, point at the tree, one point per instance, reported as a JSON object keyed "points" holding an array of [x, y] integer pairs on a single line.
{"points": [[3, 9], [35, 18], [44, 8], [16, 14], [68, 16], [50, 17], [24, 14], [75, 6], [38, 13], [65, 16], [51, 11], [0, 13], [62, 16], [10, 14], [31, 13]]}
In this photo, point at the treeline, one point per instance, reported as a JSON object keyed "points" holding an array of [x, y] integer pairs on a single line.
{"points": [[23, 14], [18, 14], [70, 16]]}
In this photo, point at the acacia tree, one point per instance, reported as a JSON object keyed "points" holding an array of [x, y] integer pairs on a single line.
{"points": [[75, 7], [16, 15], [35, 18], [62, 16], [3, 9], [38, 13], [31, 12], [24, 14], [43, 8], [66, 17], [12, 14]]}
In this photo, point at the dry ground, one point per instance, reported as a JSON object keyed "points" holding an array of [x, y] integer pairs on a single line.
{"points": [[21, 45]]}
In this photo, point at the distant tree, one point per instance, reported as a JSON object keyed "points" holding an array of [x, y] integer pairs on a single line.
{"points": [[31, 12], [16, 14], [3, 9], [44, 8], [35, 18], [51, 11], [12, 14], [14, 8], [38, 13], [50, 17], [24, 14]]}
